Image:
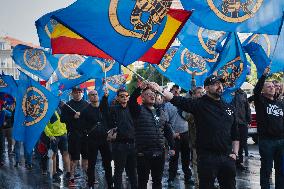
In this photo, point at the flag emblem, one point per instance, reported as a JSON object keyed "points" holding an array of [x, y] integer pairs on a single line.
{"points": [[106, 65], [167, 59], [2, 83], [68, 64], [192, 62], [49, 27], [34, 106], [231, 71], [145, 18], [208, 40], [35, 59], [235, 10]]}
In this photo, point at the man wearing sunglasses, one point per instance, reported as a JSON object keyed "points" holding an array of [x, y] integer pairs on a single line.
{"points": [[123, 148], [150, 132]]}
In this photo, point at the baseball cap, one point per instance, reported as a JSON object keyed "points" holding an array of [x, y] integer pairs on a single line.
{"points": [[76, 88], [212, 79]]}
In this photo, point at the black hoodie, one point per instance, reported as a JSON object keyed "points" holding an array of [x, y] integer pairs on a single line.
{"points": [[269, 114]]}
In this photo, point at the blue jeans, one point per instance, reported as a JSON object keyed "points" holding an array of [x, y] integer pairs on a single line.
{"points": [[28, 156], [271, 150], [2, 145]]}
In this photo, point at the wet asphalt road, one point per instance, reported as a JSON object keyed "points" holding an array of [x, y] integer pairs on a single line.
{"points": [[20, 178]]}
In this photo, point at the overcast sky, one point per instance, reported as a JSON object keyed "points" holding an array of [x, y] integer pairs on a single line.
{"points": [[17, 17]]}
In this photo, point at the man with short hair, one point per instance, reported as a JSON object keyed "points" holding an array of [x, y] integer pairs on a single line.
{"points": [[216, 135], [96, 126], [150, 130], [181, 135], [270, 128], [77, 142], [123, 147]]}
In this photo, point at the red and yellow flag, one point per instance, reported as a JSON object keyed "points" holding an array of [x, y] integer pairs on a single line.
{"points": [[65, 41]]}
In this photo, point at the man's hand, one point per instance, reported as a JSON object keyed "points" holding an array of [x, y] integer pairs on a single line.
{"points": [[155, 87], [176, 136], [266, 71], [106, 93], [77, 115], [172, 152], [233, 156], [141, 84], [168, 95], [52, 138]]}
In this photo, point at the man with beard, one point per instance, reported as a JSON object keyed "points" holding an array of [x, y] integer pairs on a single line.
{"points": [[216, 134]]}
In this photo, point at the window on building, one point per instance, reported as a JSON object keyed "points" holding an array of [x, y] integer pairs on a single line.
{"points": [[2, 45]]}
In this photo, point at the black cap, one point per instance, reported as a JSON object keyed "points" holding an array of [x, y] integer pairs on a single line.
{"points": [[212, 79], [76, 88]]}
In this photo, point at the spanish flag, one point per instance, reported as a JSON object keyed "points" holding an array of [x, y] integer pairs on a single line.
{"points": [[175, 22], [65, 41]]}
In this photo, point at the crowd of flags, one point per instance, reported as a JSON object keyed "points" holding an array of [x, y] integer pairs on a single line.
{"points": [[92, 39]]}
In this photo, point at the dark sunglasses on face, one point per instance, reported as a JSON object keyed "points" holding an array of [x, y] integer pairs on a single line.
{"points": [[123, 96], [93, 94]]}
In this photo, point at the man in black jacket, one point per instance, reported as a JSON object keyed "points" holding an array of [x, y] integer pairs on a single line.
{"points": [[216, 134], [243, 118], [123, 148], [150, 129], [76, 140], [270, 128], [96, 126]]}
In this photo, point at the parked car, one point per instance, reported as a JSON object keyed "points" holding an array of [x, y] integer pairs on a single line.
{"points": [[252, 128]]}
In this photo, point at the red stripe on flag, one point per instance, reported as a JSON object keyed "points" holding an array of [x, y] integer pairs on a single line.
{"points": [[66, 45]]}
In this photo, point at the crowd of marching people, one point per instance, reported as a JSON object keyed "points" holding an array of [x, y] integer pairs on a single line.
{"points": [[208, 134]]}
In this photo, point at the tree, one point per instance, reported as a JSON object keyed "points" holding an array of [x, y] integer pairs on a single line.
{"points": [[149, 73]]}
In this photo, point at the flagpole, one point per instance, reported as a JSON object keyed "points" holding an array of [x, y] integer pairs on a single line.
{"points": [[69, 107], [280, 29], [105, 75], [143, 79]]}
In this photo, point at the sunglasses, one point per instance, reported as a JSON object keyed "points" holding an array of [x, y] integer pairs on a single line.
{"points": [[93, 94], [123, 96]]}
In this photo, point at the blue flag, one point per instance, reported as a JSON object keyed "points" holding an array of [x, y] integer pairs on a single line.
{"points": [[278, 55], [201, 41], [178, 65], [66, 72], [96, 68], [34, 108], [123, 29], [257, 16], [113, 84], [45, 26], [36, 61], [8, 85], [231, 66]]}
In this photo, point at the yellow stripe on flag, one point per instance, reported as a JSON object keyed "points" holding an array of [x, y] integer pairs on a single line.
{"points": [[62, 31], [171, 27]]}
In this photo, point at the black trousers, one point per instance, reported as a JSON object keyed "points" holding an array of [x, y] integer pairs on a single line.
{"points": [[181, 146], [221, 167], [93, 148], [2, 146], [243, 130], [124, 156], [153, 164]]}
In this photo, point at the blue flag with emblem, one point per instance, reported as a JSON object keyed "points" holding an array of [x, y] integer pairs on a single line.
{"points": [[266, 50], [257, 16], [201, 41], [231, 66], [96, 68], [36, 61], [8, 85], [125, 30], [34, 108], [112, 83], [45, 26], [178, 65], [67, 76]]}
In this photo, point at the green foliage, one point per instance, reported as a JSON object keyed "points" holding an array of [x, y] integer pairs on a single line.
{"points": [[149, 73]]}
